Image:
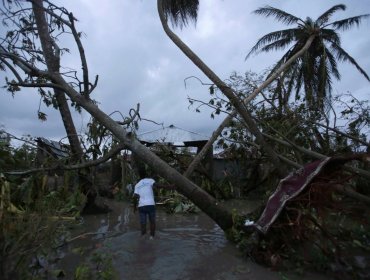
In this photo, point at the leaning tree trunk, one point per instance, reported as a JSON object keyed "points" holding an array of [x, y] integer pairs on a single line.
{"points": [[248, 99], [200, 198], [226, 90], [69, 126], [52, 59]]}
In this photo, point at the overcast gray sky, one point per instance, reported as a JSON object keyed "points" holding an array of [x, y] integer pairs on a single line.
{"points": [[137, 63]]}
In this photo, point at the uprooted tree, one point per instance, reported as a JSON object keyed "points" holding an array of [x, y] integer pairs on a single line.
{"points": [[33, 25], [38, 69], [35, 62]]}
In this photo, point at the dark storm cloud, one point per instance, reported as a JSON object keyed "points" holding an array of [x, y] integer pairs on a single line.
{"points": [[137, 63]]}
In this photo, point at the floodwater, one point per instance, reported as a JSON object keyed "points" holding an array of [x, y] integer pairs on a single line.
{"points": [[186, 246]]}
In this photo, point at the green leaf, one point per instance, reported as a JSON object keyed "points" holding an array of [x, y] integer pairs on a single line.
{"points": [[42, 116]]}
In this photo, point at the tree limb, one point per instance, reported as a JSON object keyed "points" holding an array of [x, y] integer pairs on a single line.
{"points": [[248, 99], [226, 90], [115, 150], [348, 191]]}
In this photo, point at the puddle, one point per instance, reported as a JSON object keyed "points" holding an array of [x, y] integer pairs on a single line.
{"points": [[186, 246]]}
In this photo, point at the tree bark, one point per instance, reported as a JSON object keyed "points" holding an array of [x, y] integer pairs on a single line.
{"points": [[248, 99], [52, 58], [202, 199], [360, 172], [226, 90], [69, 126]]}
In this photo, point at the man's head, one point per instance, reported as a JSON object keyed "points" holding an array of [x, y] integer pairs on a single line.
{"points": [[142, 172]]}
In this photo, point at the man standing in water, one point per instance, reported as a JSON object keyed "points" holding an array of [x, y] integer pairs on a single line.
{"points": [[144, 201]]}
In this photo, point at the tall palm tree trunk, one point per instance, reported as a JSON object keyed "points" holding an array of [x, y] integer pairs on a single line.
{"points": [[239, 106], [200, 197], [229, 118]]}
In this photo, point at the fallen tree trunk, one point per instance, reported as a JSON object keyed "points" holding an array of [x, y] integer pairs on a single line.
{"points": [[202, 199]]}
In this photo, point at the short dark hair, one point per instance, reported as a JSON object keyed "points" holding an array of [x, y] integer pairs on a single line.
{"points": [[142, 172]]}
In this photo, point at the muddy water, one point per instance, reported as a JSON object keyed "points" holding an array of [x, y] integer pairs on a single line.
{"points": [[187, 246]]}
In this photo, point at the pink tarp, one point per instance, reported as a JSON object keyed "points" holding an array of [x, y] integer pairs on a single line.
{"points": [[293, 185]]}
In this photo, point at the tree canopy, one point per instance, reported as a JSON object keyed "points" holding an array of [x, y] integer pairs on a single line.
{"points": [[315, 70]]}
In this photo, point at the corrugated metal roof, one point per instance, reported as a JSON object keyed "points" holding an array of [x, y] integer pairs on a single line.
{"points": [[171, 134], [4, 137], [55, 147]]}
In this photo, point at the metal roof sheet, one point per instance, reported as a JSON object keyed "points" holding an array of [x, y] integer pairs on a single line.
{"points": [[171, 134], [59, 150]]}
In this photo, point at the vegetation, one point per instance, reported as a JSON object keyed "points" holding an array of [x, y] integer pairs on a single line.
{"points": [[313, 217], [316, 68], [33, 218], [273, 132]]}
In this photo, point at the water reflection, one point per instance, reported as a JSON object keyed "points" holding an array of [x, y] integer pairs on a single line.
{"points": [[187, 246]]}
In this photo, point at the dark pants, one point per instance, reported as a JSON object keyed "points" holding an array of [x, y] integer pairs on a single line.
{"points": [[147, 211]]}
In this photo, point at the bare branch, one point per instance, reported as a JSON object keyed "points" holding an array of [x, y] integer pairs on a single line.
{"points": [[15, 72], [194, 77], [115, 150], [85, 71], [361, 172], [350, 192], [24, 65], [93, 86], [43, 85], [132, 117], [344, 134]]}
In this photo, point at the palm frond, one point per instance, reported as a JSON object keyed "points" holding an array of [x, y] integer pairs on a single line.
{"points": [[333, 64], [298, 83], [326, 15], [289, 34], [342, 55], [290, 75], [180, 12], [348, 23], [280, 15], [281, 61], [308, 76], [323, 78], [313, 72], [294, 73], [277, 45], [308, 63], [324, 85], [330, 35]]}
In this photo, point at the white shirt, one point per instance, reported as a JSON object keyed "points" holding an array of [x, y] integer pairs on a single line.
{"points": [[144, 188]]}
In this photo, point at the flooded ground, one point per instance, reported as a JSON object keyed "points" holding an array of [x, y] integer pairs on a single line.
{"points": [[186, 246]]}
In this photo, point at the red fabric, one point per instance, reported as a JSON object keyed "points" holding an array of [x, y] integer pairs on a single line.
{"points": [[293, 185]]}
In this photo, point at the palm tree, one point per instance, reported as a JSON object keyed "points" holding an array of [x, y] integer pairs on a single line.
{"points": [[315, 69], [180, 12], [177, 16]]}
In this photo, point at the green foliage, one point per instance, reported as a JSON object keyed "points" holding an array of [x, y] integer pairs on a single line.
{"points": [[222, 189], [314, 70], [293, 123], [27, 236], [15, 158], [33, 218], [12, 86], [98, 267], [320, 230], [83, 272], [176, 203]]}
